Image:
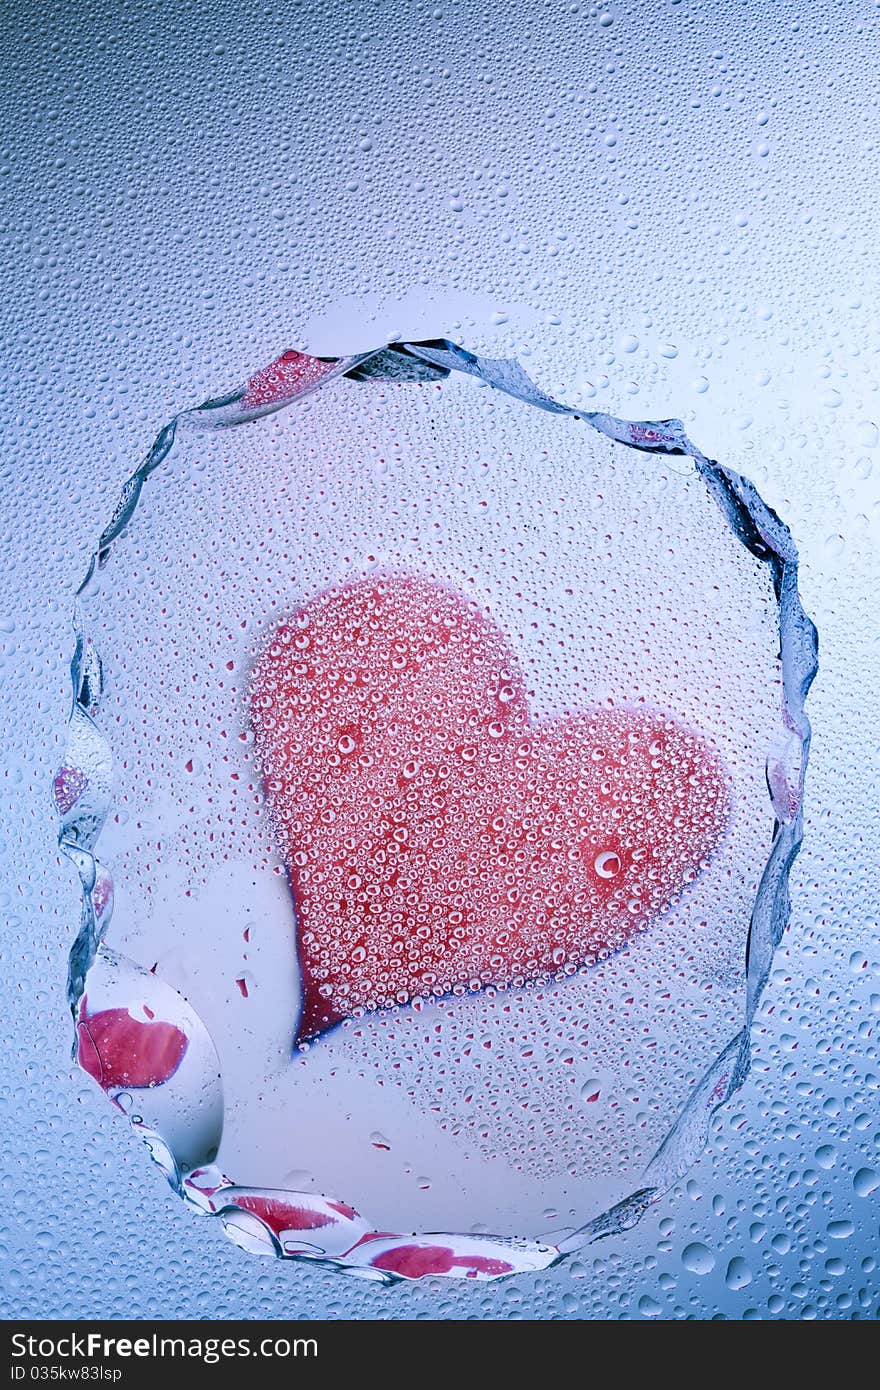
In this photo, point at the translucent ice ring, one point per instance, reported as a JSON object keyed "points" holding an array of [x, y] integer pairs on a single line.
{"points": [[147, 1047]]}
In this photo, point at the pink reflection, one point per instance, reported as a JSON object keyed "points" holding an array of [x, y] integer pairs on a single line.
{"points": [[119, 1050]]}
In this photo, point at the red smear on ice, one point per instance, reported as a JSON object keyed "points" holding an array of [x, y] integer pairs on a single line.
{"points": [[287, 376], [118, 1050], [69, 785], [344, 1209], [283, 1216], [415, 1261]]}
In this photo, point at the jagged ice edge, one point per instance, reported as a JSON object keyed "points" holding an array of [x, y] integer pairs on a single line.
{"points": [[753, 522]]}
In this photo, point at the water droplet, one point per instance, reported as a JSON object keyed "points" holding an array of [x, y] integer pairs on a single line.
{"points": [[698, 1258], [738, 1275], [607, 863]]}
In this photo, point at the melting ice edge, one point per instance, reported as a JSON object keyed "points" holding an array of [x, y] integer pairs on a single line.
{"points": [[299, 1225]]}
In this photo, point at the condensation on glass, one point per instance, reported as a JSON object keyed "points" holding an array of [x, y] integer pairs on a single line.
{"points": [[434, 773]]}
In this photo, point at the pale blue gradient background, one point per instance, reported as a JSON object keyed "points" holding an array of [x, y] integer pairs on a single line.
{"points": [[191, 188]]}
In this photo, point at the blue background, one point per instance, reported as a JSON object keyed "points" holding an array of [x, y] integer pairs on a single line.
{"points": [[662, 209]]}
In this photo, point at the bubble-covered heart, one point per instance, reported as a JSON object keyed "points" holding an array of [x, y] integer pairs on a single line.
{"points": [[436, 837]]}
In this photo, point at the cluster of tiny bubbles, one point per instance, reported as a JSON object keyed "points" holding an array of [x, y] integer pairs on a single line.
{"points": [[436, 841]]}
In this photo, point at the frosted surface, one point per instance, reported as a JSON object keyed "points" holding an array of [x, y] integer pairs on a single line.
{"points": [[623, 207]]}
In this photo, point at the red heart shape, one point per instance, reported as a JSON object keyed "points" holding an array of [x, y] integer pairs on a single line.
{"points": [[436, 839]]}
